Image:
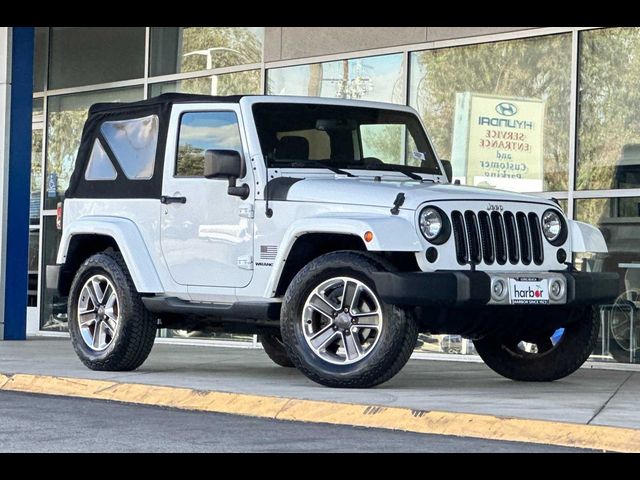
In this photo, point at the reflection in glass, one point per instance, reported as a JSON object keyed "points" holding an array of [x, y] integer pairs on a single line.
{"points": [[91, 55], [53, 309], [40, 53], [66, 117], [378, 78], [99, 166], [609, 101], [619, 221], [188, 49], [133, 142], [238, 83], [203, 131], [526, 80], [34, 215]]}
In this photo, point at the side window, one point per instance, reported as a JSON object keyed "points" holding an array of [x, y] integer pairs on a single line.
{"points": [[134, 143], [201, 131], [99, 166]]}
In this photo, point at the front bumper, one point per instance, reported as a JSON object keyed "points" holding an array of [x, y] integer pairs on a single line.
{"points": [[473, 289]]}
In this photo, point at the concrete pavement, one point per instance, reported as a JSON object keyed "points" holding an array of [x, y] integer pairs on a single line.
{"points": [[589, 397]]}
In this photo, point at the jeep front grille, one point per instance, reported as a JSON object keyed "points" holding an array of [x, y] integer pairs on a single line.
{"points": [[497, 237]]}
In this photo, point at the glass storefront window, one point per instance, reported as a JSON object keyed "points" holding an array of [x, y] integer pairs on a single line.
{"points": [[378, 78], [34, 213], [500, 111], [38, 107], [188, 49], [236, 83], [53, 309], [66, 116], [608, 122], [91, 55], [40, 53], [619, 221]]}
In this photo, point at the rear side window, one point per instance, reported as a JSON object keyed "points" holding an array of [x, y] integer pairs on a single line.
{"points": [[99, 166], [134, 143], [202, 131]]}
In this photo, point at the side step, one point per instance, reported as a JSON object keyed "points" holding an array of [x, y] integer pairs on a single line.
{"points": [[242, 312]]}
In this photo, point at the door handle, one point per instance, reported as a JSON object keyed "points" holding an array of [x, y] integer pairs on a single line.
{"points": [[167, 200]]}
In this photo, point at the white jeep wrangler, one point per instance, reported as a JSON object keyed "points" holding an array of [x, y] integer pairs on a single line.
{"points": [[328, 227]]}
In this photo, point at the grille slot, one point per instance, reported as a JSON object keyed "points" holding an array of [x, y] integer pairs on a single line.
{"points": [[459, 237], [473, 236], [486, 238], [512, 237], [536, 239], [497, 237], [525, 238]]}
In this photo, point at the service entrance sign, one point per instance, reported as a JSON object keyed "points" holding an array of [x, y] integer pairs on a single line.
{"points": [[498, 142]]}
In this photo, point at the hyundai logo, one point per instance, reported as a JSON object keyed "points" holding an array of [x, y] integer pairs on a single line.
{"points": [[506, 109]]}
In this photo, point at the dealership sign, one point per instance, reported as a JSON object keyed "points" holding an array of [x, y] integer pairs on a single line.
{"points": [[498, 141]]}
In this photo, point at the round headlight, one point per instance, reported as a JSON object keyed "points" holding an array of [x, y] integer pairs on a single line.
{"points": [[552, 225], [431, 223]]}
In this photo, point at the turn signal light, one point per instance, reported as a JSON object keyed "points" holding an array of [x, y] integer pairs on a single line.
{"points": [[368, 236]]}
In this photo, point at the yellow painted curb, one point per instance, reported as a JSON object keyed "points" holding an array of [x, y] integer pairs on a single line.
{"points": [[312, 411]]}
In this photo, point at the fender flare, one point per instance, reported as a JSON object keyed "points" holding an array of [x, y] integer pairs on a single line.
{"points": [[586, 238], [390, 234], [129, 241]]}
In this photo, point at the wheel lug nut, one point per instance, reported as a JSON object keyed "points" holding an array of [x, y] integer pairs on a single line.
{"points": [[335, 327], [346, 310], [354, 320]]}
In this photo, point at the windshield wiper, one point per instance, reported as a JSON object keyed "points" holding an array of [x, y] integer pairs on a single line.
{"points": [[388, 168], [323, 165]]}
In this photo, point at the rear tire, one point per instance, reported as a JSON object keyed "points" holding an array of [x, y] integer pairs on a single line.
{"points": [[274, 348], [547, 362], [116, 333], [361, 342]]}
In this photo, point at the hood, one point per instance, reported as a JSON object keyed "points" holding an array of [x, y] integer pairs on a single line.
{"points": [[366, 191]]}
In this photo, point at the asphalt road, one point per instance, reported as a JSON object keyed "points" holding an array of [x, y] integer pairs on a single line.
{"points": [[38, 423]]}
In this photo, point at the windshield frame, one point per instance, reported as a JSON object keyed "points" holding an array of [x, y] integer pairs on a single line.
{"points": [[386, 168]]}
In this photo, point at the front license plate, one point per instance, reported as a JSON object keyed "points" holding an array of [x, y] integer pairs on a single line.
{"points": [[528, 290]]}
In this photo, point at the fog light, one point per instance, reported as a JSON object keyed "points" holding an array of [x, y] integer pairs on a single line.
{"points": [[561, 255], [556, 289], [498, 289]]}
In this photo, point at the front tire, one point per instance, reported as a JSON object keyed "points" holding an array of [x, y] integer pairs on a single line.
{"points": [[109, 326], [337, 330], [543, 358]]}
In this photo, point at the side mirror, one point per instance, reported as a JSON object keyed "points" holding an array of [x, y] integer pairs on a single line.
{"points": [[448, 169], [226, 164], [223, 164]]}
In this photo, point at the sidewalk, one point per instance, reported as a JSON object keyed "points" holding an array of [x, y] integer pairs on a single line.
{"points": [[589, 397]]}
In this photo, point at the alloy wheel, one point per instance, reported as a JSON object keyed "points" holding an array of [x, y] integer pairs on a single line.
{"points": [[98, 313], [342, 320]]}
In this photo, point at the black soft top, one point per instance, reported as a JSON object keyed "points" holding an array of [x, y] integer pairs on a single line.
{"points": [[166, 99], [122, 187]]}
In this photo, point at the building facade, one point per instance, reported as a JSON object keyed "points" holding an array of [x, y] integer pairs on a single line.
{"points": [[576, 135]]}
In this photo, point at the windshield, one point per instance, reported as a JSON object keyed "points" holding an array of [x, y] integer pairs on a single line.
{"points": [[333, 136]]}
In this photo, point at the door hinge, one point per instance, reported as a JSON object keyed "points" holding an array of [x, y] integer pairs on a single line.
{"points": [[246, 211], [245, 262]]}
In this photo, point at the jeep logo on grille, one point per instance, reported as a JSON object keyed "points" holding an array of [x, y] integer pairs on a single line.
{"points": [[494, 207], [506, 109]]}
